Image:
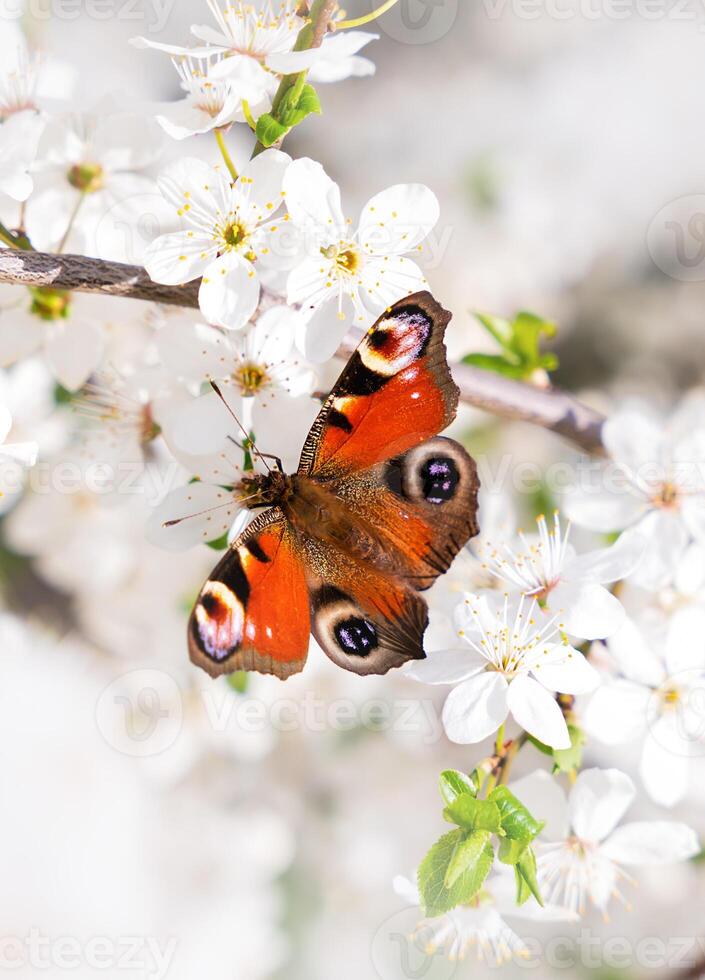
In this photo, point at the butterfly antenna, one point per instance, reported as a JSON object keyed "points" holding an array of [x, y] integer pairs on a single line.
{"points": [[208, 510], [248, 440]]}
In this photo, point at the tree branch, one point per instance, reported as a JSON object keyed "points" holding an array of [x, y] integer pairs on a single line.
{"points": [[86, 275], [548, 407]]}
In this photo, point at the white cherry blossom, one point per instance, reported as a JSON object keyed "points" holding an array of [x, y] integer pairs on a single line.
{"points": [[61, 325], [228, 229], [19, 137], [653, 693], [209, 102], [368, 266], [547, 567], [88, 163], [581, 850], [514, 656], [257, 39], [656, 484]]}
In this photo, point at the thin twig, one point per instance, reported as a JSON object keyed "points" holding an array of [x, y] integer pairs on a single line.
{"points": [[548, 407]]}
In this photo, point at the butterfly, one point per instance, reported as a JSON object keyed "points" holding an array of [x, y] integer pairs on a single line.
{"points": [[377, 510]]}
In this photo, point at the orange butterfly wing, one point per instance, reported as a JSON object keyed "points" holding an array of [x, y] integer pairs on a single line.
{"points": [[253, 612], [396, 392]]}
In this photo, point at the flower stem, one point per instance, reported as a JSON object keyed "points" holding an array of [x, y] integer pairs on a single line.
{"points": [[74, 214], [499, 742], [16, 239], [310, 36], [226, 156], [360, 21], [249, 118]]}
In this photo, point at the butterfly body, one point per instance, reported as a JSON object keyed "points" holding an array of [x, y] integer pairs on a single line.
{"points": [[378, 508]]}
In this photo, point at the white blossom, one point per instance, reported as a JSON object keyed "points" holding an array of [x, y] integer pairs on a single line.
{"points": [[514, 656], [581, 851]]}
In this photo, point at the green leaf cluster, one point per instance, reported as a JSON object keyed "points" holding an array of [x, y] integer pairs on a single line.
{"points": [[564, 760], [520, 341], [454, 870], [293, 108]]}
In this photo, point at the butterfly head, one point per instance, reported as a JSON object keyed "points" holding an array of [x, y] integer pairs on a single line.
{"points": [[265, 489]]}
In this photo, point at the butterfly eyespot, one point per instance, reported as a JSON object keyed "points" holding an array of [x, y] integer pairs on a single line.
{"points": [[356, 636], [439, 479]]}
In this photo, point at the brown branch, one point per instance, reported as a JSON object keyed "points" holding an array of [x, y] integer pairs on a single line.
{"points": [[86, 275], [548, 407]]}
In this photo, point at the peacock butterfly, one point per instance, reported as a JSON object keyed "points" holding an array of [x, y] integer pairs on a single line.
{"points": [[377, 510]]}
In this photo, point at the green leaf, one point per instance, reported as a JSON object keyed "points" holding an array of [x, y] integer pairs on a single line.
{"points": [[466, 856], [520, 342], [517, 822], [293, 111], [472, 814], [546, 749], [269, 130], [219, 544], [525, 875], [62, 396], [566, 760], [454, 784], [239, 681], [436, 897], [510, 851], [497, 363]]}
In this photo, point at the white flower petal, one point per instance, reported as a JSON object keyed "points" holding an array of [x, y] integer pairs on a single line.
{"points": [[20, 335], [598, 801], [693, 513], [281, 424], [603, 510], [535, 710], [193, 351], [73, 350], [274, 333], [617, 712], [634, 437], [319, 337], [24, 453], [203, 426], [587, 610], [5, 422], [634, 656], [263, 178], [200, 193], [545, 800], [313, 201], [685, 640], [398, 219], [229, 291], [476, 708], [445, 666], [386, 280], [651, 842], [189, 503], [571, 674], [178, 257], [664, 773], [667, 541], [606, 565]]}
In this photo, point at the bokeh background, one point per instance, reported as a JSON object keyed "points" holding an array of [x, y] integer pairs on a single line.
{"points": [[256, 833]]}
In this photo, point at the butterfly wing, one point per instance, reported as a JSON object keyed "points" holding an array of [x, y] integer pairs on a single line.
{"points": [[364, 620], [253, 612], [395, 392], [422, 506]]}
